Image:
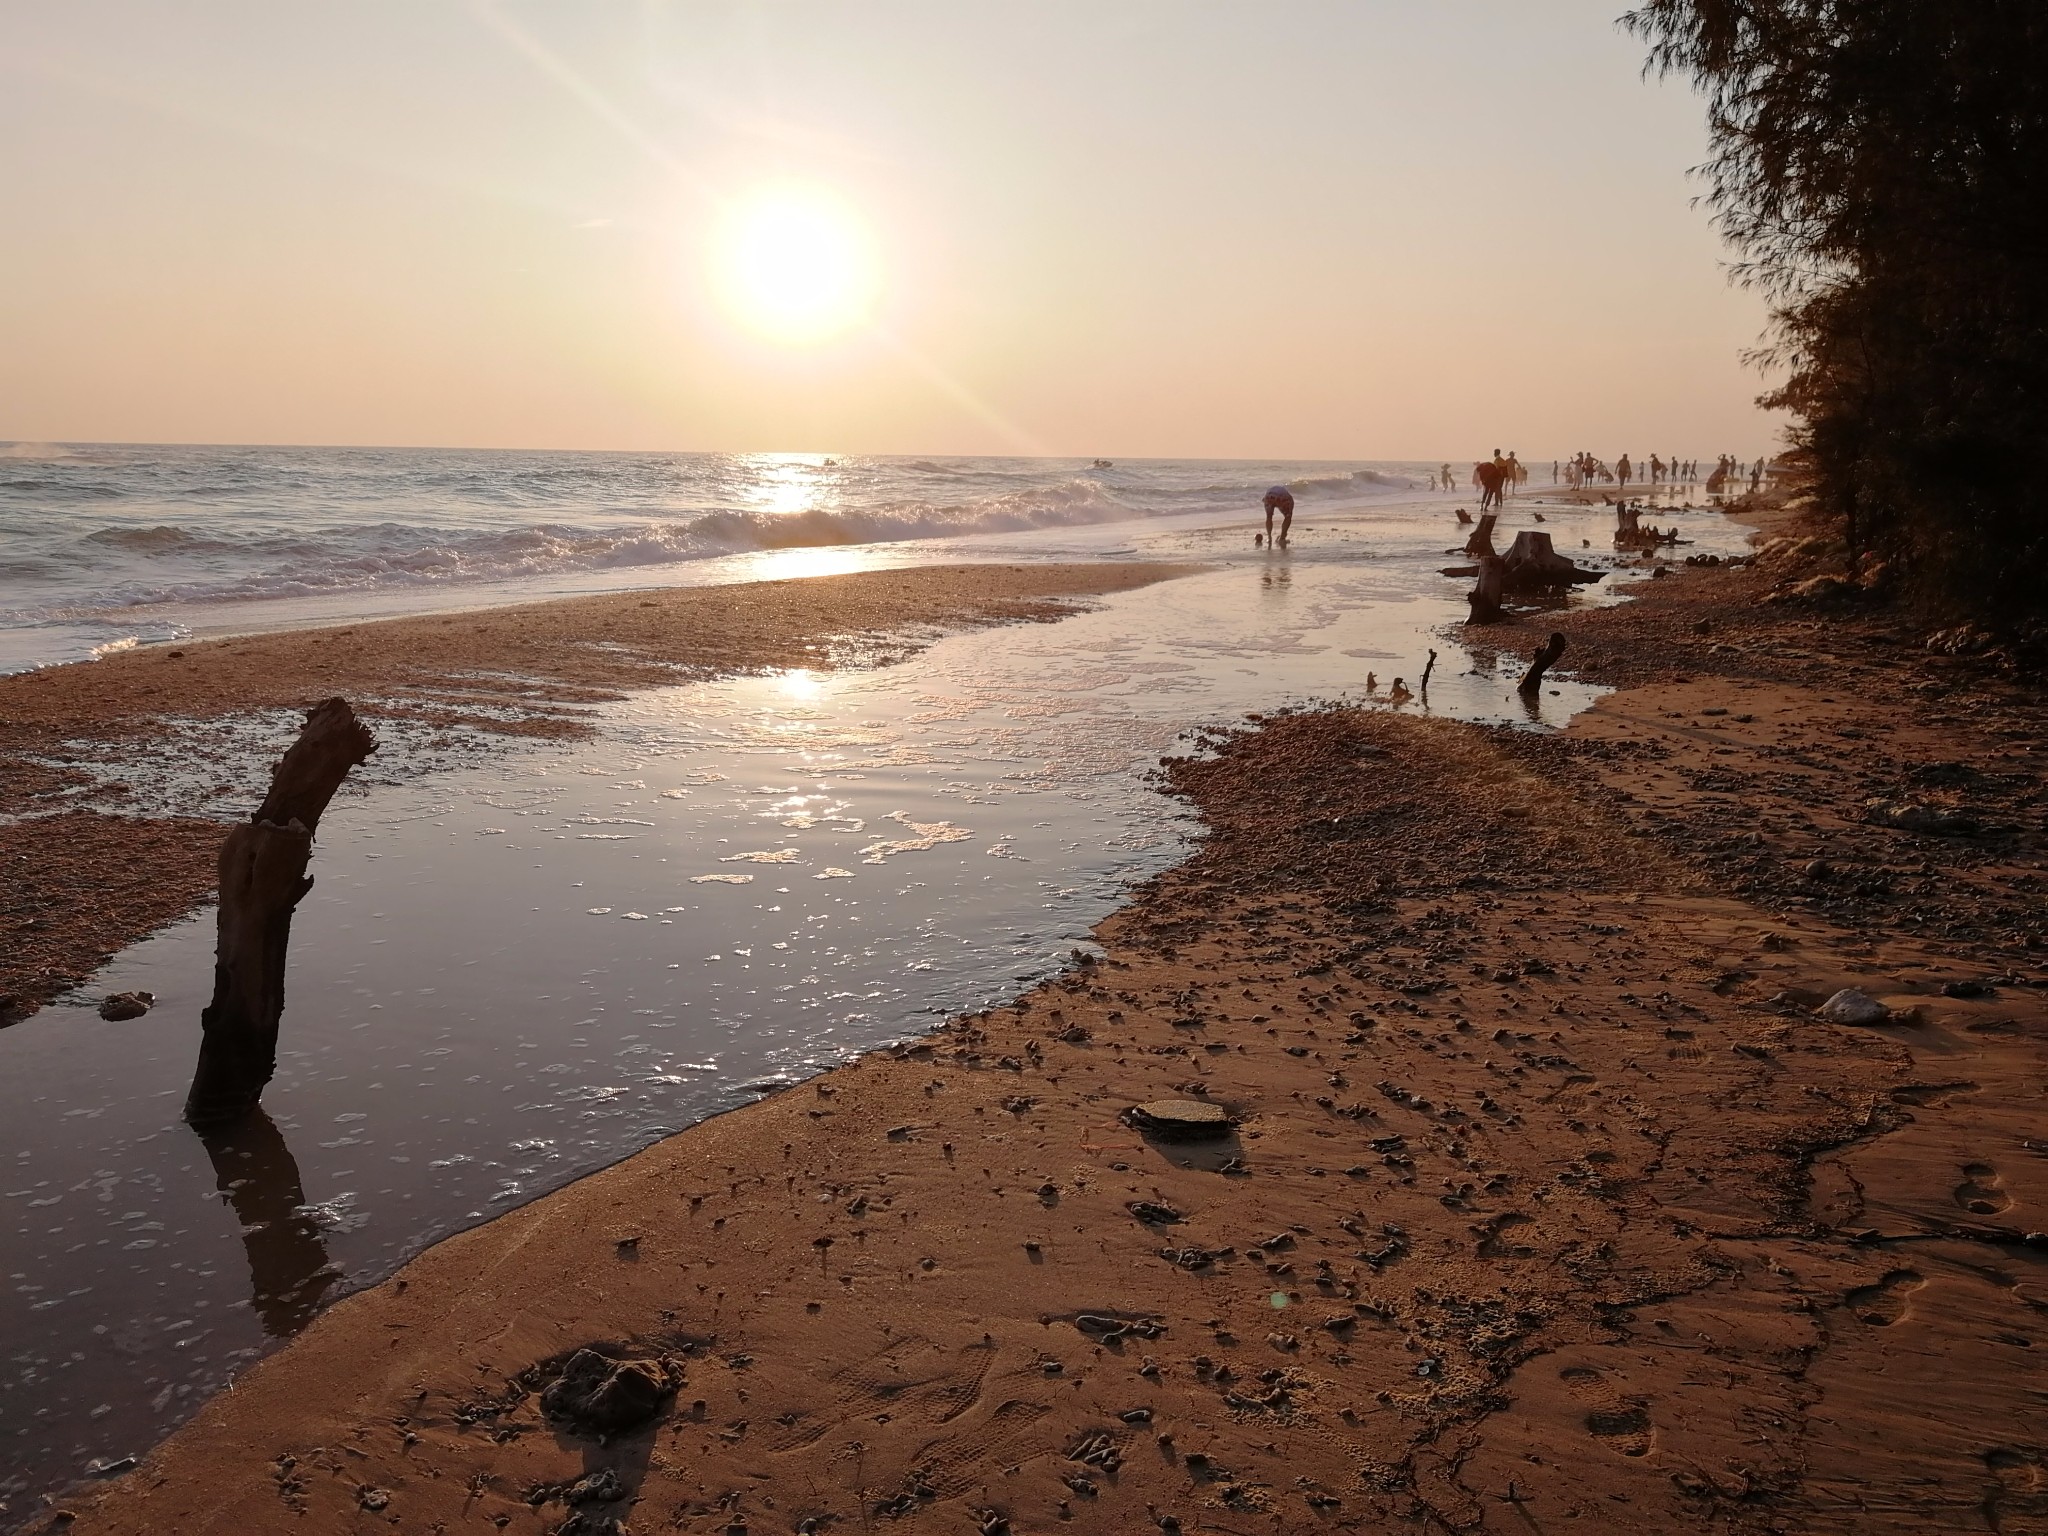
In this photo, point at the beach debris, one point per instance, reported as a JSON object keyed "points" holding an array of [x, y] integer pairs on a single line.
{"points": [[1850, 1006], [600, 1487], [1544, 659], [116, 1006], [1108, 1329], [721, 879], [1180, 1119], [262, 880], [600, 1397]]}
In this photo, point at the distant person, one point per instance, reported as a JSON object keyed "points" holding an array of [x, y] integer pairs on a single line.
{"points": [[1449, 484], [1622, 471], [1516, 474], [1656, 469], [1553, 471], [1279, 499]]}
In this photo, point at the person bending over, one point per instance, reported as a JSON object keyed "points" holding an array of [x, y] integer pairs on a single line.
{"points": [[1279, 499]]}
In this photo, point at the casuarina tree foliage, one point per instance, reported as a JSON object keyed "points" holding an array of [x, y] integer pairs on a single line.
{"points": [[1881, 166]]}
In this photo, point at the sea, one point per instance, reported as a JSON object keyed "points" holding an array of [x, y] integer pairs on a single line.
{"points": [[107, 546]]}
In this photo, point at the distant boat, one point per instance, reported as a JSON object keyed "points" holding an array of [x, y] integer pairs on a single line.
{"points": [[1104, 464]]}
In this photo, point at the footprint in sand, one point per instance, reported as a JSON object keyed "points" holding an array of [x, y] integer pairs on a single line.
{"points": [[1885, 1303], [1979, 1193], [1622, 1424]]}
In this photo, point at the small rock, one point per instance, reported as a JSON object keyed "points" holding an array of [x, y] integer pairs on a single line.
{"points": [[1969, 989], [600, 1396], [1850, 1006], [126, 1005]]}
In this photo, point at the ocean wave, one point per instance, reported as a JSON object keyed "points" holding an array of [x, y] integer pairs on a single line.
{"points": [[115, 529]]}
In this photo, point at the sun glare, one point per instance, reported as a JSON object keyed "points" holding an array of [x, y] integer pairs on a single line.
{"points": [[795, 264]]}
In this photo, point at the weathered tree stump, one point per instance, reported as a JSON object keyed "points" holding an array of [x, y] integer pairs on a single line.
{"points": [[262, 880], [1533, 564], [1464, 518], [1485, 596], [1481, 542], [1544, 659], [1630, 532]]}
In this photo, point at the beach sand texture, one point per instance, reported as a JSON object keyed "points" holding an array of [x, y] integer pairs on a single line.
{"points": [[84, 883], [1549, 1203]]}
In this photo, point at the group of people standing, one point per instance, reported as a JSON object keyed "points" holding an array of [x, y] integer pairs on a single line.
{"points": [[1582, 470], [1500, 475]]}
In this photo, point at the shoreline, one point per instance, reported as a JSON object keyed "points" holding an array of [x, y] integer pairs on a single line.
{"points": [[93, 871], [1548, 1195]]}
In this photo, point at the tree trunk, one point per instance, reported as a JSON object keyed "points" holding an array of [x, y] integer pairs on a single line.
{"points": [[1481, 542], [1544, 659], [1486, 592], [262, 880]]}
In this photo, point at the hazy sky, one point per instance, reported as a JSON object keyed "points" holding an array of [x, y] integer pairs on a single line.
{"points": [[1219, 228]]}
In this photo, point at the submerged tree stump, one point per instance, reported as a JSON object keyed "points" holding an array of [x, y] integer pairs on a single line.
{"points": [[262, 880], [1481, 542]]}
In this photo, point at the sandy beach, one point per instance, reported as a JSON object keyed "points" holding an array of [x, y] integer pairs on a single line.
{"points": [[1546, 1200], [85, 879]]}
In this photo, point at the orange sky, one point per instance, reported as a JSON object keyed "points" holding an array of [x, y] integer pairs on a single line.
{"points": [[1352, 229]]}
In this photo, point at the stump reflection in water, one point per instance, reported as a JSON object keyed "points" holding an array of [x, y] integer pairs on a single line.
{"points": [[289, 1271]]}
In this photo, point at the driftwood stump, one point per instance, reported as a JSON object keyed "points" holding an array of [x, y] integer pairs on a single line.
{"points": [[1485, 596], [1481, 542], [262, 880], [1544, 659], [1533, 564]]}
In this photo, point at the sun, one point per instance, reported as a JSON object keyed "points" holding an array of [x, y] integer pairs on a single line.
{"points": [[796, 265]]}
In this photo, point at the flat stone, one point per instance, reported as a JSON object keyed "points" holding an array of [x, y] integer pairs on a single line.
{"points": [[126, 1005], [1183, 1119]]}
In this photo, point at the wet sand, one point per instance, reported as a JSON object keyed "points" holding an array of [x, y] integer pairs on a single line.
{"points": [[81, 884], [1549, 1202]]}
